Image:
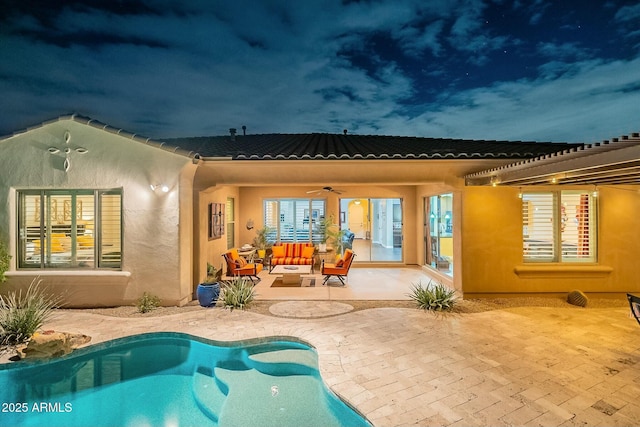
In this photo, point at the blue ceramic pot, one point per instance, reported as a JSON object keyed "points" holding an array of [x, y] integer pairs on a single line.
{"points": [[208, 294]]}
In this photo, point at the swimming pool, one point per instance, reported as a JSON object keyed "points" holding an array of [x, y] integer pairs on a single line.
{"points": [[173, 379]]}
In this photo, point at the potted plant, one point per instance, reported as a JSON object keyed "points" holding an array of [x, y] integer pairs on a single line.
{"points": [[209, 290], [330, 233], [325, 225], [261, 242]]}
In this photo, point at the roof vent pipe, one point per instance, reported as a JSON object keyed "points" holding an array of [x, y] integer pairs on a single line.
{"points": [[232, 131], [244, 130], [344, 131]]}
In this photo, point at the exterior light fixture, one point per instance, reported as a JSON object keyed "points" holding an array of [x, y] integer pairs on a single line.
{"points": [[519, 193], [249, 224], [162, 187]]}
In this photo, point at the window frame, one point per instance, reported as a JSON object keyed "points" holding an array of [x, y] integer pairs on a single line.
{"points": [[315, 210], [561, 251], [100, 260]]}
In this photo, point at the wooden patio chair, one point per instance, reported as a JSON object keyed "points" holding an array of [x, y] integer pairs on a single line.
{"points": [[634, 304], [238, 266], [340, 269]]}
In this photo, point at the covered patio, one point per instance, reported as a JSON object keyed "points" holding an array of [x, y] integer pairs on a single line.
{"points": [[363, 283]]}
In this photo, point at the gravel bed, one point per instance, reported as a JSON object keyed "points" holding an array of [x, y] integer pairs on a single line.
{"points": [[462, 306]]}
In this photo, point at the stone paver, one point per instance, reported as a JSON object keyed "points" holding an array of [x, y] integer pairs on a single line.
{"points": [[309, 309], [520, 366]]}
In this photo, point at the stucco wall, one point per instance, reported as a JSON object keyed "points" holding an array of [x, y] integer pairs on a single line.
{"points": [[153, 258], [210, 251], [492, 247]]}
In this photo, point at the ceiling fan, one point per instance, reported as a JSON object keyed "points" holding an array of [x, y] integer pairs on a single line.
{"points": [[325, 190]]}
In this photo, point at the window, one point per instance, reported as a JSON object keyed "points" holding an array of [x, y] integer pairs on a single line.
{"points": [[230, 215], [294, 220], [559, 226], [70, 229]]}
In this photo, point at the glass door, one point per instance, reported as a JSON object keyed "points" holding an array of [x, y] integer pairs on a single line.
{"points": [[438, 230], [377, 225]]}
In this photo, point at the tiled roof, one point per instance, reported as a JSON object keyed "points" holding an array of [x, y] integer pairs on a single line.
{"points": [[322, 146]]}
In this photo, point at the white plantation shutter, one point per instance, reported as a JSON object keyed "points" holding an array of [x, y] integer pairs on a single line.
{"points": [[578, 231], [294, 220], [558, 227], [110, 230], [538, 226], [70, 228]]}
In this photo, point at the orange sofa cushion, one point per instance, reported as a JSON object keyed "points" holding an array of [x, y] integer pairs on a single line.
{"points": [[294, 254]]}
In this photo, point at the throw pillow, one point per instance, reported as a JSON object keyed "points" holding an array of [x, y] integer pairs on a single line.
{"points": [[241, 262], [308, 251], [278, 251], [340, 263]]}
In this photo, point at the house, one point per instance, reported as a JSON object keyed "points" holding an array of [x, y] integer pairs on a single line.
{"points": [[104, 215]]}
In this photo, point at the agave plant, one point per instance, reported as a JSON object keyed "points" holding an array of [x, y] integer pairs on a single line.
{"points": [[435, 296], [237, 293], [22, 314]]}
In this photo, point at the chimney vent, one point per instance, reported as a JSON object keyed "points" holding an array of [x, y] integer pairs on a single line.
{"points": [[344, 131], [232, 131], [244, 130]]}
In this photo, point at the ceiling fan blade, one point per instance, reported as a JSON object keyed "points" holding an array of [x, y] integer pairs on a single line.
{"points": [[314, 191]]}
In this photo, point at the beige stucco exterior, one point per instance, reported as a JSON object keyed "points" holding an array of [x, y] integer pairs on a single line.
{"points": [[492, 246], [157, 253], [166, 247]]}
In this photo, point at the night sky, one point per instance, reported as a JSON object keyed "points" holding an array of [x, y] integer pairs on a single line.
{"points": [[519, 70]]}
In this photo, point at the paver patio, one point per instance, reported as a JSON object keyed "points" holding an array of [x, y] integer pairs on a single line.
{"points": [[520, 366]]}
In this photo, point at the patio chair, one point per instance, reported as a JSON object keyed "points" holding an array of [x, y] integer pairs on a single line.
{"points": [[634, 304], [340, 269], [238, 266]]}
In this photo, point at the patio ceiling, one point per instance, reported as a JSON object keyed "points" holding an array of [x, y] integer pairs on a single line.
{"points": [[615, 161]]}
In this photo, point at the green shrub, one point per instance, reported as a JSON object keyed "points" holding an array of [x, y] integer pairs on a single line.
{"points": [[147, 302], [435, 297], [4, 260], [23, 314], [237, 293]]}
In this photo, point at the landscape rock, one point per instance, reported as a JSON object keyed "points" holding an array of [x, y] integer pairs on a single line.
{"points": [[53, 344]]}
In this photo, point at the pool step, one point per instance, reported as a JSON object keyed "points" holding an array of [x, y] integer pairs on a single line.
{"points": [[207, 393], [284, 362]]}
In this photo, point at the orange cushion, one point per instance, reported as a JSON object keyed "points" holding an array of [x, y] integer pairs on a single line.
{"points": [[278, 251], [241, 262], [340, 263], [308, 251], [234, 254]]}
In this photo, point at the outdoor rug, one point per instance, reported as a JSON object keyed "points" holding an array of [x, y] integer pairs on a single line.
{"points": [[306, 282]]}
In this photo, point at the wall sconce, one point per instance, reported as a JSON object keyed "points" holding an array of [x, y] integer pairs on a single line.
{"points": [[162, 187], [249, 224], [595, 191], [519, 193]]}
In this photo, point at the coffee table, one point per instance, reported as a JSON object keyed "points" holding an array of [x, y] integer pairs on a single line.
{"points": [[291, 274]]}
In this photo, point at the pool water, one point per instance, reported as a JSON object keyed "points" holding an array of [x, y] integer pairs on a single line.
{"points": [[171, 379]]}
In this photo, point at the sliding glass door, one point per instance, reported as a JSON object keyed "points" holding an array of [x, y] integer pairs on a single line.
{"points": [[377, 225], [438, 232]]}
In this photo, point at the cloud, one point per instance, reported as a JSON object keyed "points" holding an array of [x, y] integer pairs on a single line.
{"points": [[436, 68]]}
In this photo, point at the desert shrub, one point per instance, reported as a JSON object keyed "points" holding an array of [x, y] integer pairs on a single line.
{"points": [[237, 293], [434, 296], [22, 314], [147, 303]]}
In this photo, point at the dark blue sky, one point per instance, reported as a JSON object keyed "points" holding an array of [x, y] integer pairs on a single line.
{"points": [[519, 70]]}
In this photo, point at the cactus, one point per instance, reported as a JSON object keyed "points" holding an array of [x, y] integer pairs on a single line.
{"points": [[578, 298]]}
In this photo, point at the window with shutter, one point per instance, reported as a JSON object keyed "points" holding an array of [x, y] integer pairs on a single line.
{"points": [[558, 226]]}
